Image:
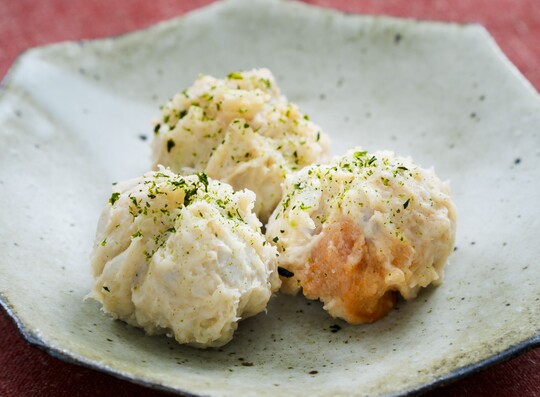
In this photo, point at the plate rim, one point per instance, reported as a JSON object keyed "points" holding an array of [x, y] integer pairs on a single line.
{"points": [[35, 341], [30, 337]]}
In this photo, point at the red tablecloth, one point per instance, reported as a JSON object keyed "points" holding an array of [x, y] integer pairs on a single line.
{"points": [[25, 371]]}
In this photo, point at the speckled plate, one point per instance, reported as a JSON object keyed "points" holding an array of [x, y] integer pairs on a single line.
{"points": [[73, 118]]}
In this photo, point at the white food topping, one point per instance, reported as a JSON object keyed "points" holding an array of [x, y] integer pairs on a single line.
{"points": [[239, 130], [357, 229], [183, 256]]}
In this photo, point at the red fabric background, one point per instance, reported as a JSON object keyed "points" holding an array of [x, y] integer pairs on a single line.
{"points": [[25, 371]]}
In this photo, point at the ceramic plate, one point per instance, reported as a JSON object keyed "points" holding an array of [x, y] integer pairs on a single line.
{"points": [[72, 120]]}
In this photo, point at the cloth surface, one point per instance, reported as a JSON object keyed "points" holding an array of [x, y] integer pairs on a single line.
{"points": [[26, 371]]}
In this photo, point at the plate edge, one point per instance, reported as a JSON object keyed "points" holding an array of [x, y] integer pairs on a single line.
{"points": [[471, 369], [223, 4], [35, 341], [66, 356]]}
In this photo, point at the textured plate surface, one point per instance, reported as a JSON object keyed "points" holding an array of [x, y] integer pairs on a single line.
{"points": [[71, 116]]}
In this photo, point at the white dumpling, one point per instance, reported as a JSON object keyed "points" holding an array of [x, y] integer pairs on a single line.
{"points": [[183, 256], [356, 231], [239, 130]]}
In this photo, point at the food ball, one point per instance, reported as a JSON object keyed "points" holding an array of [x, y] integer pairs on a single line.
{"points": [[239, 130], [183, 256], [357, 231]]}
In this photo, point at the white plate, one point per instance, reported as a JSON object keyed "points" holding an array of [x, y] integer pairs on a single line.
{"points": [[70, 119]]}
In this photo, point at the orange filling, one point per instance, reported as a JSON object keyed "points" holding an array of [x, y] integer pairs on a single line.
{"points": [[343, 268]]}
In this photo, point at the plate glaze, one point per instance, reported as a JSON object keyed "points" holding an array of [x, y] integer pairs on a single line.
{"points": [[71, 120]]}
